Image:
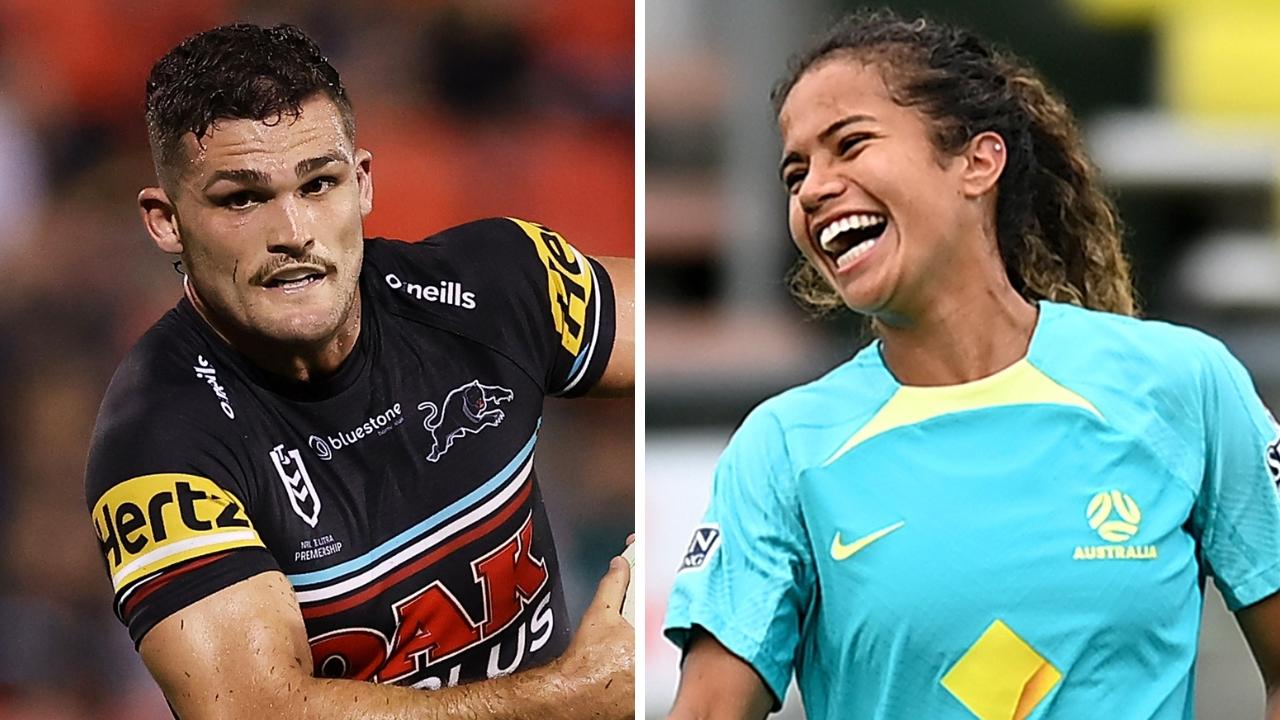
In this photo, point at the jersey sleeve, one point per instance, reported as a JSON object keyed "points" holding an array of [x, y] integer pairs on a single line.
{"points": [[747, 576], [1237, 513], [167, 503], [515, 286], [566, 300]]}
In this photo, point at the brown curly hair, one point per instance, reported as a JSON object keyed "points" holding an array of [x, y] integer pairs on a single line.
{"points": [[1058, 232]]}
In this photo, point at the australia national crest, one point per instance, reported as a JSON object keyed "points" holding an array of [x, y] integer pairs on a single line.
{"points": [[466, 410]]}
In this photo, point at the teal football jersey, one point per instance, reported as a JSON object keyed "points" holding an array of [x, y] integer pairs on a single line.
{"points": [[1029, 545]]}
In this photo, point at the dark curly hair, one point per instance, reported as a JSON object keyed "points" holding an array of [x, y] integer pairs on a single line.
{"points": [[240, 72], [1057, 230]]}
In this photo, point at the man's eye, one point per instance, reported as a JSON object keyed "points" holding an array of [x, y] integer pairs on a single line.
{"points": [[319, 185], [238, 201]]}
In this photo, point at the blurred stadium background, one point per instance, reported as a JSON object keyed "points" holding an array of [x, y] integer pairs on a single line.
{"points": [[471, 108], [1180, 113]]}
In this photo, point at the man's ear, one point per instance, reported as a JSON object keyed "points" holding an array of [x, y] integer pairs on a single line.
{"points": [[160, 219], [364, 177], [985, 157]]}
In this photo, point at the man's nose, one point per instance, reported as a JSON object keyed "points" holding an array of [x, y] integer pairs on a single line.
{"points": [[291, 231]]}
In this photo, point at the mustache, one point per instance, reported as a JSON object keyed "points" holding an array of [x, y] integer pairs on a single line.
{"points": [[262, 273]]}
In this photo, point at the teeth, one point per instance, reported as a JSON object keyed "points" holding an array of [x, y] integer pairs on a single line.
{"points": [[294, 274], [290, 286], [856, 221], [854, 253]]}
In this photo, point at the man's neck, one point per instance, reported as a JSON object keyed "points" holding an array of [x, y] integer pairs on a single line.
{"points": [[297, 362]]}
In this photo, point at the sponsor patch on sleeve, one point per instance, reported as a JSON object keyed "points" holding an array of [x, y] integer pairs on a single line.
{"points": [[149, 523], [568, 283], [705, 541], [1273, 461]]}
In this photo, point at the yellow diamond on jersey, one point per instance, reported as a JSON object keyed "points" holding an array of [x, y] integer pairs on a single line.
{"points": [[1114, 515], [1001, 676]]}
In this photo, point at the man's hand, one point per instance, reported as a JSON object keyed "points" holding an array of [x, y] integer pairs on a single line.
{"points": [[601, 657], [242, 652]]}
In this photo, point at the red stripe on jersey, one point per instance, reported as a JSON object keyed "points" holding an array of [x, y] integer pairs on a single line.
{"points": [[337, 606], [165, 578]]}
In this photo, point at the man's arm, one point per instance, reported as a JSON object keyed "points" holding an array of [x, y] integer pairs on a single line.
{"points": [[1260, 623], [715, 684], [243, 652], [619, 379]]}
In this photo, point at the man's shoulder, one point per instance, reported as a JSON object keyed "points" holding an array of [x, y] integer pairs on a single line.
{"points": [[171, 364], [457, 276], [168, 392], [474, 239]]}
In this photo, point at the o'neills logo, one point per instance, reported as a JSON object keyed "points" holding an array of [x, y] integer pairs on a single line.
{"points": [[205, 372], [379, 424], [446, 292]]}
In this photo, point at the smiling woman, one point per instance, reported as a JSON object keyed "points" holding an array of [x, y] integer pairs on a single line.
{"points": [[1006, 503], [1057, 233]]}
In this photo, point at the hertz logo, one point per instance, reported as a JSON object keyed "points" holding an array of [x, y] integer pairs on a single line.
{"points": [[568, 283], [149, 523], [1115, 516]]}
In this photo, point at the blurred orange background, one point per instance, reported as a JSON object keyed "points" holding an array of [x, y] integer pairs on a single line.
{"points": [[470, 109]]}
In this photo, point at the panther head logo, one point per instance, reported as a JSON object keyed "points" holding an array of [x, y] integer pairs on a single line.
{"points": [[466, 410]]}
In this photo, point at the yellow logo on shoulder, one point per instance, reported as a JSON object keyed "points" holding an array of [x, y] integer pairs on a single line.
{"points": [[1116, 517], [152, 522], [568, 283]]}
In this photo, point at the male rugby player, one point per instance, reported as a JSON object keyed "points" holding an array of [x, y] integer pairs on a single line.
{"points": [[316, 470]]}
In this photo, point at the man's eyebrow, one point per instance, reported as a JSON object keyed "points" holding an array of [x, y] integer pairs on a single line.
{"points": [[257, 177], [245, 177], [310, 165]]}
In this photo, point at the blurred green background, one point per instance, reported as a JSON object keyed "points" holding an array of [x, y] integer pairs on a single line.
{"points": [[1180, 114]]}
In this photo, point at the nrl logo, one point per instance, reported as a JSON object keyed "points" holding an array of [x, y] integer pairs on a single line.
{"points": [[706, 538], [1273, 461], [465, 411], [297, 483]]}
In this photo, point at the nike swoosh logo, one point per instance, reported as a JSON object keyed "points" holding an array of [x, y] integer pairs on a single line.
{"points": [[840, 551]]}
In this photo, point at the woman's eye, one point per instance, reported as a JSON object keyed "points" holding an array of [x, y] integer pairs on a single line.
{"points": [[792, 180], [849, 143]]}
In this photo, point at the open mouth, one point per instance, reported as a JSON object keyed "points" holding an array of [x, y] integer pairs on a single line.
{"points": [[851, 237], [294, 279]]}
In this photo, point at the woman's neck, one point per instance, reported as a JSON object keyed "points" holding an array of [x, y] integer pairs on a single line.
{"points": [[959, 338]]}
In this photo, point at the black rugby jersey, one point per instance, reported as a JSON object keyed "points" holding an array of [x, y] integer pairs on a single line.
{"points": [[398, 496]]}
